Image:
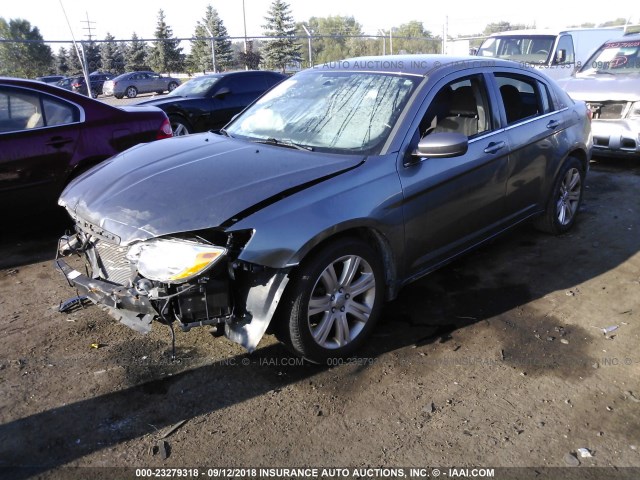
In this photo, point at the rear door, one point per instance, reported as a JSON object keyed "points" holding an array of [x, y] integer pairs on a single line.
{"points": [[39, 134], [536, 131]]}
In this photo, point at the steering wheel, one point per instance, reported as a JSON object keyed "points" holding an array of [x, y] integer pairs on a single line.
{"points": [[544, 52]]}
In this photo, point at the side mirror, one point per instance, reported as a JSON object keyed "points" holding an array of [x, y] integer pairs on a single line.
{"points": [[223, 92], [441, 145], [561, 56]]}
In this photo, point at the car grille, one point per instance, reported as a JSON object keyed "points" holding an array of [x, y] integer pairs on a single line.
{"points": [[115, 265], [607, 110]]}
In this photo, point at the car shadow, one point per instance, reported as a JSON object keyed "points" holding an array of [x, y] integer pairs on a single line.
{"points": [[486, 287]]}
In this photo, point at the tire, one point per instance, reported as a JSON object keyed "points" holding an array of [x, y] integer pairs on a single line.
{"points": [[340, 285], [119, 97], [172, 86], [565, 199], [180, 126], [131, 92], [94, 94]]}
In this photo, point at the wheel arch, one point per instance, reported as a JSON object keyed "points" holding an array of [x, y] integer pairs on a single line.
{"points": [[368, 234]]}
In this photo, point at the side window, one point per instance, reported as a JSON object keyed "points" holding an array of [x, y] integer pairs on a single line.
{"points": [[565, 44], [247, 84], [19, 110], [57, 112], [461, 106], [521, 97]]}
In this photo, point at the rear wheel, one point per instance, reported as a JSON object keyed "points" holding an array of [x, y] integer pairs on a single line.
{"points": [[333, 301], [565, 199], [180, 126], [132, 92], [172, 86]]}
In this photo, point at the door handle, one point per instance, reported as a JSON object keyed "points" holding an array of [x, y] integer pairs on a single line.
{"points": [[553, 124], [58, 142], [493, 147]]}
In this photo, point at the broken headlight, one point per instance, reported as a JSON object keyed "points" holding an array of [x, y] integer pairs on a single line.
{"points": [[173, 260]]}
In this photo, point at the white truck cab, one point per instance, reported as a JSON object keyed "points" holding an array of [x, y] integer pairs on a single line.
{"points": [[556, 52]]}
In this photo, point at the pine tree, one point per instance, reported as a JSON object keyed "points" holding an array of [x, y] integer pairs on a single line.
{"points": [[165, 54], [75, 67], [200, 58], [92, 55], [111, 55], [135, 57], [61, 62], [18, 59], [283, 50]]}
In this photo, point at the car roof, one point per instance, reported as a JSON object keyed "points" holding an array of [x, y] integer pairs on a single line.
{"points": [[553, 31], [627, 38], [421, 65]]}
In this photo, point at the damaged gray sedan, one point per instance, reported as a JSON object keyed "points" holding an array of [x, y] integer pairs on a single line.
{"points": [[325, 197]]}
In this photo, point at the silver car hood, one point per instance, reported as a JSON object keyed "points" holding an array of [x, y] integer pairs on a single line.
{"points": [[602, 88], [189, 183]]}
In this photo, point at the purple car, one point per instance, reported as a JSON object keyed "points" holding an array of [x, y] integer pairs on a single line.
{"points": [[50, 135]]}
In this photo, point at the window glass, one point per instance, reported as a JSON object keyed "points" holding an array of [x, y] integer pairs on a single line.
{"points": [[246, 84], [520, 96], [19, 110], [59, 113], [460, 107], [566, 43]]}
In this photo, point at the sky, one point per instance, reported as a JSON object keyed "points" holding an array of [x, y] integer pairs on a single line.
{"points": [[464, 17]]}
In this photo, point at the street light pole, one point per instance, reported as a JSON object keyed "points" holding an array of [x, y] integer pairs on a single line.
{"points": [[213, 50], [244, 19], [310, 52]]}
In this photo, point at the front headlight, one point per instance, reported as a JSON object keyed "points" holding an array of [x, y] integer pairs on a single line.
{"points": [[173, 261], [634, 111]]}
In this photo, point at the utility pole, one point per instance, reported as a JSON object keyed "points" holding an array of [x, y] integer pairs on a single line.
{"points": [[383, 34], [310, 52], [244, 19], [213, 49]]}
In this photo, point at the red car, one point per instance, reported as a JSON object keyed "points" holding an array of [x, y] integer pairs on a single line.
{"points": [[49, 135]]}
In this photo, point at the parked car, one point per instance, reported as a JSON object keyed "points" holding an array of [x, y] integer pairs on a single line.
{"points": [[327, 195], [610, 84], [131, 84], [65, 83], [210, 101], [49, 135], [97, 79], [556, 52], [50, 78]]}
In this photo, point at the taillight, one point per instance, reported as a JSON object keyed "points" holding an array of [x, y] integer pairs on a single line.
{"points": [[165, 130], [76, 85]]}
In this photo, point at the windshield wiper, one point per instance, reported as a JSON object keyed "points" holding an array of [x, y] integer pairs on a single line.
{"points": [[224, 132], [285, 143], [605, 72]]}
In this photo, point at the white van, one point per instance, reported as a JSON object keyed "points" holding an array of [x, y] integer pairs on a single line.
{"points": [[556, 52]]}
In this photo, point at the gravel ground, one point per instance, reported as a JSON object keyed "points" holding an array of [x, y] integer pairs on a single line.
{"points": [[515, 356]]}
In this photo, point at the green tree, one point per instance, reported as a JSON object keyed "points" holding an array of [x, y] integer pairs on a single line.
{"points": [[413, 38], [283, 49], [73, 61], [92, 55], [19, 58], [614, 23], [61, 61], [135, 54], [200, 58], [502, 26], [165, 54], [251, 59], [332, 38], [111, 55]]}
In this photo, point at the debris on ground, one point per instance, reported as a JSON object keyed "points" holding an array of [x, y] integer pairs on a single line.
{"points": [[571, 460], [172, 429], [584, 453], [629, 394]]}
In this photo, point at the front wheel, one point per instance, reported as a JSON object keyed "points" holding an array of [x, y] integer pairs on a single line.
{"points": [[132, 92], [333, 301], [565, 199]]}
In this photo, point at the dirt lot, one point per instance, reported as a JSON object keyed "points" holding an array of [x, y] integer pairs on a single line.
{"points": [[498, 360]]}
